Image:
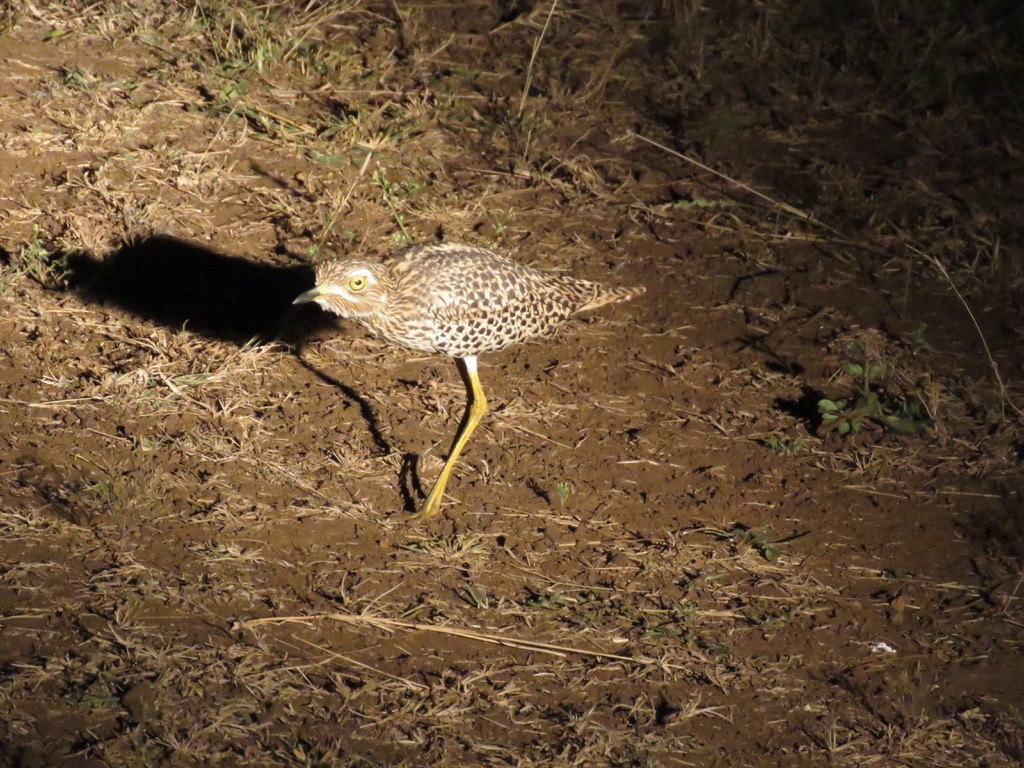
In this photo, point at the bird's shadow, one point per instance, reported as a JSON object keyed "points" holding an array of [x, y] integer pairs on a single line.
{"points": [[183, 285], [408, 478]]}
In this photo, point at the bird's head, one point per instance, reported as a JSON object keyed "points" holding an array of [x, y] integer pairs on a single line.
{"points": [[352, 288]]}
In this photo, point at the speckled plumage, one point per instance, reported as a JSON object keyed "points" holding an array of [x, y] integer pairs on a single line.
{"points": [[458, 300]]}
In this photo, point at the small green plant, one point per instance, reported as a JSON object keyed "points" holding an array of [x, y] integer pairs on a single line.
{"points": [[502, 220], [103, 490], [329, 159], [769, 550], [552, 602], [871, 409], [477, 596], [39, 263], [785, 445], [755, 539], [674, 624], [915, 339], [767, 614], [391, 193], [564, 489], [75, 78]]}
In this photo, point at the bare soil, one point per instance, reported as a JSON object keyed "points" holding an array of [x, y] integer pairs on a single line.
{"points": [[661, 548]]}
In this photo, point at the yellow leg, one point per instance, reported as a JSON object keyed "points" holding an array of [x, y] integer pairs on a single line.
{"points": [[475, 410]]}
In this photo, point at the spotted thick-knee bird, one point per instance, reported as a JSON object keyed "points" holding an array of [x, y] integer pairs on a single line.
{"points": [[455, 300]]}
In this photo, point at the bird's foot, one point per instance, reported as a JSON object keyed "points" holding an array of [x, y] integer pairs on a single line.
{"points": [[430, 509]]}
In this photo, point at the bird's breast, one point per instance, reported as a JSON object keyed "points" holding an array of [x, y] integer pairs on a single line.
{"points": [[409, 331]]}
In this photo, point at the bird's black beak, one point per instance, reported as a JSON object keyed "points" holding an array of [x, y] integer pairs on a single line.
{"points": [[311, 295]]}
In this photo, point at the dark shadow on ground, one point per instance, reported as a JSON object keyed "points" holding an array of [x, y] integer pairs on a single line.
{"points": [[804, 408], [184, 285], [409, 482], [363, 404]]}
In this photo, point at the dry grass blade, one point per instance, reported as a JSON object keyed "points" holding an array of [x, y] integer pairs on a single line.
{"points": [[736, 182], [1003, 391], [533, 58], [468, 634]]}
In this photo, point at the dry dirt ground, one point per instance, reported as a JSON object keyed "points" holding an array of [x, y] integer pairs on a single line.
{"points": [[768, 514]]}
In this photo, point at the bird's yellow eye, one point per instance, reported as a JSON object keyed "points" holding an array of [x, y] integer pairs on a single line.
{"points": [[357, 282]]}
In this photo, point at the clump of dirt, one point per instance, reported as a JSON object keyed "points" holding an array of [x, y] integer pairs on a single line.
{"points": [[768, 513]]}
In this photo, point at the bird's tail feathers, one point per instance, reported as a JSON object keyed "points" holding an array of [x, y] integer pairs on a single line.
{"points": [[612, 296]]}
